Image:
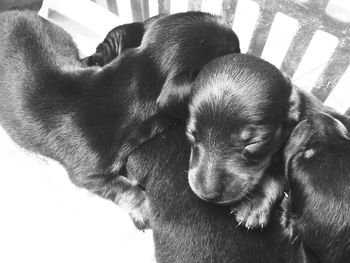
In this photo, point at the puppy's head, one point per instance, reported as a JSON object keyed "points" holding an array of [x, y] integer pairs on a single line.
{"points": [[318, 150], [237, 122], [181, 44]]}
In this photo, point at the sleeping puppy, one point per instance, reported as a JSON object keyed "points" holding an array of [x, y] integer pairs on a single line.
{"points": [[241, 114], [317, 161], [172, 112], [213, 37], [187, 229], [51, 104], [238, 123]]}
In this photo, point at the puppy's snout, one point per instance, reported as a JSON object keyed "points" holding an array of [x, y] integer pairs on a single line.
{"points": [[211, 184]]}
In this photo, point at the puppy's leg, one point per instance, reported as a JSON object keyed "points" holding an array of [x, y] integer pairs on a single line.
{"points": [[294, 233], [254, 211], [117, 40], [125, 193]]}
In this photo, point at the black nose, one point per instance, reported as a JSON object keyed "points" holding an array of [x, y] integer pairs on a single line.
{"points": [[213, 196]]}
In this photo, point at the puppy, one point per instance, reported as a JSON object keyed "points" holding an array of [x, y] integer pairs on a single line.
{"points": [[241, 114], [188, 229], [51, 104], [237, 125], [317, 162]]}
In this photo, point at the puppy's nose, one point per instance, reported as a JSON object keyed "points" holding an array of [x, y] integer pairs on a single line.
{"points": [[213, 196]]}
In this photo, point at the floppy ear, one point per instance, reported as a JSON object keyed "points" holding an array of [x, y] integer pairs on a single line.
{"points": [[343, 131], [293, 102]]}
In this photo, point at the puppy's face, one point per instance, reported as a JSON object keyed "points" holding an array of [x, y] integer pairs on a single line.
{"points": [[318, 147], [227, 162], [236, 125], [317, 162]]}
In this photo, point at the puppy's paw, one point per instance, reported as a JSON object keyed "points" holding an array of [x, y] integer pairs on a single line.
{"points": [[252, 214], [140, 213]]}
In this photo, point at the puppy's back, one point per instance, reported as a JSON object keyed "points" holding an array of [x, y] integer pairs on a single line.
{"points": [[35, 39], [33, 53], [39, 83]]}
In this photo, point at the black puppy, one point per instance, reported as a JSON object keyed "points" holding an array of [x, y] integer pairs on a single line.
{"points": [[317, 161], [238, 123], [187, 229], [50, 104], [241, 114], [75, 115]]}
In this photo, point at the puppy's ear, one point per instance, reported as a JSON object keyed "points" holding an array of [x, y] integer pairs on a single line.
{"points": [[343, 131], [294, 101]]}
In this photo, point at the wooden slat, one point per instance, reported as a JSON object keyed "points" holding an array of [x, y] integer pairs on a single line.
{"points": [[145, 9], [261, 32], [297, 49], [140, 10], [333, 71], [311, 12], [319, 5], [194, 5], [164, 6], [112, 6], [229, 9]]}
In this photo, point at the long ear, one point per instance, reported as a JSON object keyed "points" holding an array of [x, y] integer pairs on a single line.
{"points": [[294, 101], [175, 90], [343, 131]]}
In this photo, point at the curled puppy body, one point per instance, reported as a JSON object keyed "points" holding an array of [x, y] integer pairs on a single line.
{"points": [[237, 125], [172, 110], [317, 161], [241, 114], [53, 105]]}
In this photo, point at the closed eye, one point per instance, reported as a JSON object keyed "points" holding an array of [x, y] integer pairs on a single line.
{"points": [[192, 136], [254, 146], [257, 150]]}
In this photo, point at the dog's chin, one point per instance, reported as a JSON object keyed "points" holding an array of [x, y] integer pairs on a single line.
{"points": [[225, 202], [224, 199]]}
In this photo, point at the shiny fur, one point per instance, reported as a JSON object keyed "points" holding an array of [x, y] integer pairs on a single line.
{"points": [[238, 123], [317, 161], [53, 105]]}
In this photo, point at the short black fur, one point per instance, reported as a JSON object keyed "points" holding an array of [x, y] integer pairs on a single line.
{"points": [[317, 161], [53, 105]]}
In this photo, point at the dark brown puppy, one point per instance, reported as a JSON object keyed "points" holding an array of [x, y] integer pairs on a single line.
{"points": [[317, 161], [242, 112], [50, 104], [238, 122], [187, 229], [75, 115]]}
